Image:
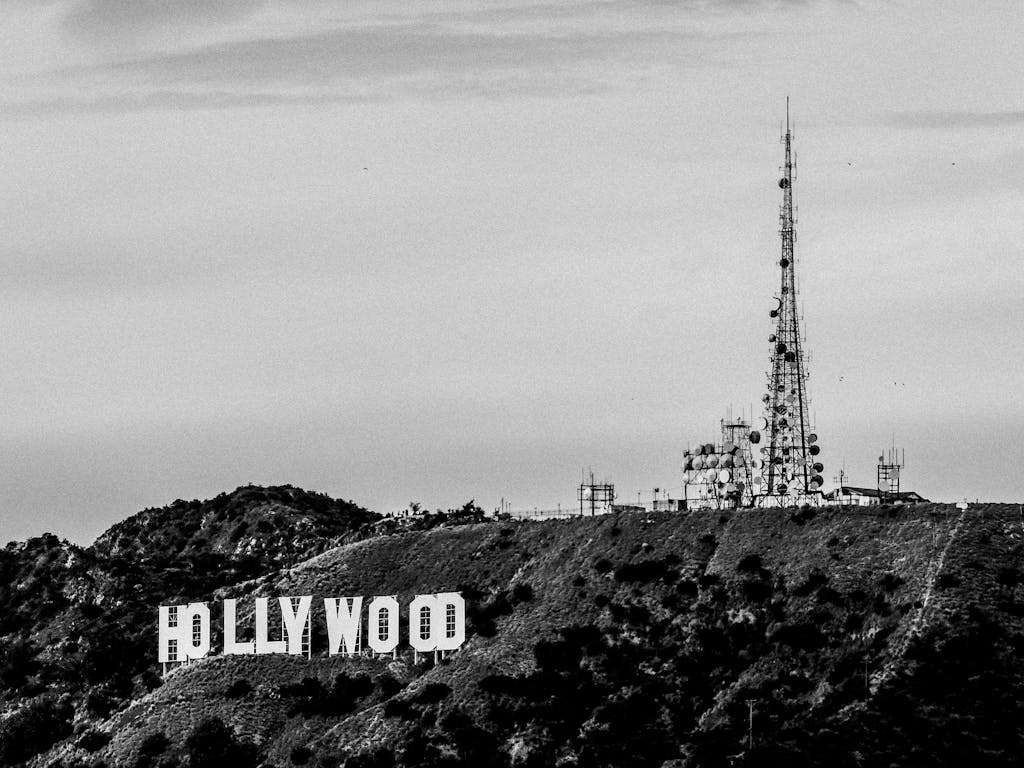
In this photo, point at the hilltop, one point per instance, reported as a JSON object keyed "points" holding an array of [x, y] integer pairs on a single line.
{"points": [[76, 622], [860, 637]]}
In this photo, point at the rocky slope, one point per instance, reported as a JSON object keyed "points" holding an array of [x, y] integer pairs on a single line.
{"points": [[76, 622], [857, 637]]}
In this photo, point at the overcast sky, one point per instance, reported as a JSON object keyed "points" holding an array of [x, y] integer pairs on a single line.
{"points": [[437, 251]]}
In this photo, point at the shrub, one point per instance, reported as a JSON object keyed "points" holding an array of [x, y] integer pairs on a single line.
{"points": [[211, 744], [815, 579], [32, 728], [891, 581], [522, 593], [642, 572], [757, 591], [828, 595], [93, 740], [379, 758], [432, 693], [237, 689], [803, 636], [750, 563], [947, 580]]}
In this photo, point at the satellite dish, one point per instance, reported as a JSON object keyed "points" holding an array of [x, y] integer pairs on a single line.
{"points": [[772, 337], [686, 464], [709, 448], [756, 464], [755, 436], [814, 450], [711, 475], [818, 467], [725, 461], [783, 263], [783, 183], [780, 347], [728, 448], [792, 399], [817, 481], [780, 408], [711, 461], [757, 482], [738, 460], [773, 313], [724, 476], [790, 356], [697, 462], [883, 484], [812, 439], [782, 489], [764, 423]]}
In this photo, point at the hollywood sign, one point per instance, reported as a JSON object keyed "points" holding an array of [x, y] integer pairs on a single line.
{"points": [[436, 623]]}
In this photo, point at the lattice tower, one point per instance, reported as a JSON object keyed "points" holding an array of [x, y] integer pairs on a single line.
{"points": [[791, 473]]}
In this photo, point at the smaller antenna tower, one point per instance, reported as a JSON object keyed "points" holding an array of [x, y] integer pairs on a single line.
{"points": [[596, 498], [889, 466]]}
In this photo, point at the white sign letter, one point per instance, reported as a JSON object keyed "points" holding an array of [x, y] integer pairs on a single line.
{"points": [[263, 645], [295, 621], [231, 647], [343, 624], [382, 628], [450, 627], [184, 632]]}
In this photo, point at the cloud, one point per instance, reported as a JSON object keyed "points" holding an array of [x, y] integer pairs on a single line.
{"points": [[168, 100], [390, 52], [103, 20], [938, 119]]}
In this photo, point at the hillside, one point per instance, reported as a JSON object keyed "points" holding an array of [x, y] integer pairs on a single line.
{"points": [[76, 622], [859, 637]]}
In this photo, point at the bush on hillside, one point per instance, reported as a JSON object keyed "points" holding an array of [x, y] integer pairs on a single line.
{"points": [[32, 728], [211, 744], [93, 739], [642, 572]]}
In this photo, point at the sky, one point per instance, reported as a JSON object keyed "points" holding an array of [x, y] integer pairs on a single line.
{"points": [[442, 251]]}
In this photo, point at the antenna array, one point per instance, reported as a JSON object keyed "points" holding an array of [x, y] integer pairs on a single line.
{"points": [[791, 472]]}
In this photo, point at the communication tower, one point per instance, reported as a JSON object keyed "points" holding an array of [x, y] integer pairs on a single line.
{"points": [[595, 498], [889, 467], [719, 475], [790, 471]]}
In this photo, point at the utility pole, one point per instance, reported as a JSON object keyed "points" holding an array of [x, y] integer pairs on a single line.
{"points": [[750, 727]]}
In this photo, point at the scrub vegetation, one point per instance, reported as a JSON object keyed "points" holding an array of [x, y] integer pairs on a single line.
{"points": [[867, 637]]}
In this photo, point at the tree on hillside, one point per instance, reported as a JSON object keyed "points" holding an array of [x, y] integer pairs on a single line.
{"points": [[211, 744]]}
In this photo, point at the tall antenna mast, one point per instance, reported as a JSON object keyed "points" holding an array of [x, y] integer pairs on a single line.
{"points": [[791, 473]]}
